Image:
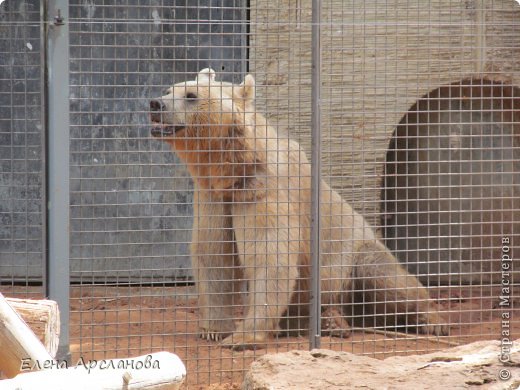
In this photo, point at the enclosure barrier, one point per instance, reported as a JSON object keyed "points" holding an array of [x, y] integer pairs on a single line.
{"points": [[410, 111]]}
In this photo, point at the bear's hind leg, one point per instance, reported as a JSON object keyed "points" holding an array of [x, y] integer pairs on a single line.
{"points": [[397, 297]]}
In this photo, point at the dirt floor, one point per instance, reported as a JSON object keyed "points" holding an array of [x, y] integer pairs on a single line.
{"points": [[109, 322]]}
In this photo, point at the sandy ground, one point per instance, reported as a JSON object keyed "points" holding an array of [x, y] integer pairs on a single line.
{"points": [[109, 322]]}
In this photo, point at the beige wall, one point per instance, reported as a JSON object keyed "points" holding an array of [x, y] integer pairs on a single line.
{"points": [[377, 61], [378, 58]]}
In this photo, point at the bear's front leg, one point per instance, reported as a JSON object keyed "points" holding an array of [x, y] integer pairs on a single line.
{"points": [[214, 266], [270, 262]]}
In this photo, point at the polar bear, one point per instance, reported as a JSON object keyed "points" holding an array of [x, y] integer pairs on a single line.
{"points": [[252, 192]]}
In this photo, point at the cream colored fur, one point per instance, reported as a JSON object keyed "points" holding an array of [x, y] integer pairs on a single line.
{"points": [[252, 223]]}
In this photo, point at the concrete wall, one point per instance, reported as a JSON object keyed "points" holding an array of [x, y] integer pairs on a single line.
{"points": [[131, 211], [21, 144]]}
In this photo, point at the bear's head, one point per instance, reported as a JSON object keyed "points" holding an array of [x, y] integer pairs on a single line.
{"points": [[190, 108], [210, 125]]}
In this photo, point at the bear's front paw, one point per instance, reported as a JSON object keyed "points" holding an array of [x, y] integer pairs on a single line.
{"points": [[241, 341], [211, 335], [213, 330]]}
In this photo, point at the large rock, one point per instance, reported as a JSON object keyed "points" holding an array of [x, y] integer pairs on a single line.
{"points": [[462, 367]]}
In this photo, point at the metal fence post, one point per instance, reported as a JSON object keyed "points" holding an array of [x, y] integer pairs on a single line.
{"points": [[315, 313], [57, 107]]}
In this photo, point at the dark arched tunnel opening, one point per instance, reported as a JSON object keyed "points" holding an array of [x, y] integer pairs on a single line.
{"points": [[451, 187]]}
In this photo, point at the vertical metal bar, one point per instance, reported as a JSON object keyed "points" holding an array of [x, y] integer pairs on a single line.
{"points": [[43, 122], [57, 91], [245, 24], [315, 303]]}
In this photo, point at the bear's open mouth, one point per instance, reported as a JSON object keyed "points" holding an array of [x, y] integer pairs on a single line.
{"points": [[164, 130]]}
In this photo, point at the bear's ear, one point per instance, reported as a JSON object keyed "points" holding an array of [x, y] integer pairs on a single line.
{"points": [[206, 76], [247, 89]]}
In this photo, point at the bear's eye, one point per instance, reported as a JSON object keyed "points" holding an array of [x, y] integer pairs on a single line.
{"points": [[191, 96]]}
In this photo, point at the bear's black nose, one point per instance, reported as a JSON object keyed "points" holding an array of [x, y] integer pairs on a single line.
{"points": [[157, 105]]}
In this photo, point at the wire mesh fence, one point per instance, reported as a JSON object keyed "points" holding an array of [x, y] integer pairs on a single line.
{"points": [[190, 207], [22, 184]]}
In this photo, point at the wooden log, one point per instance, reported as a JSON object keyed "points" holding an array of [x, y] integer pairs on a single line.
{"points": [[158, 371], [17, 341], [43, 317]]}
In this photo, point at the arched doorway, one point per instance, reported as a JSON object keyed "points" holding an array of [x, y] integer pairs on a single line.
{"points": [[451, 193]]}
